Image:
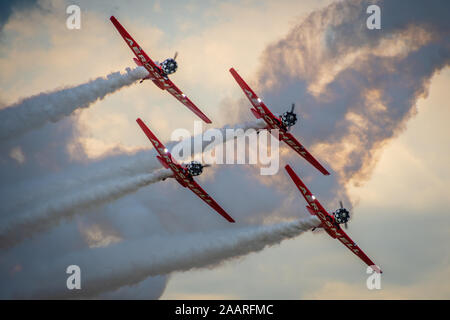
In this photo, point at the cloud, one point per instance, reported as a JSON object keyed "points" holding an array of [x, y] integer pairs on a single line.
{"points": [[49, 212], [34, 112], [348, 114], [7, 8], [104, 270]]}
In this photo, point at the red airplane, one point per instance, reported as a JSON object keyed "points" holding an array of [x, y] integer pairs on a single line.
{"points": [[283, 124], [183, 173], [331, 222], [158, 72]]}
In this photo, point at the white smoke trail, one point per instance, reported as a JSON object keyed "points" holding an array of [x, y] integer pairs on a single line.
{"points": [[19, 227], [38, 208], [20, 197], [35, 111], [103, 270]]}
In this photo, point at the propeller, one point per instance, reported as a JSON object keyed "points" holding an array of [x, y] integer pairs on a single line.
{"points": [[203, 165], [289, 118], [175, 55], [195, 168], [342, 207]]}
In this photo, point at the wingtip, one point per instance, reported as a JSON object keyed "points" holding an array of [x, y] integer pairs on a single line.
{"points": [[205, 119], [231, 69], [112, 18], [376, 268]]}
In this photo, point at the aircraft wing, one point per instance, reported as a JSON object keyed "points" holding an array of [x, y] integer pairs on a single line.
{"points": [[301, 150], [351, 245], [262, 111], [180, 96], [260, 107], [154, 71], [164, 156], [335, 231], [168, 162], [195, 187], [315, 205], [142, 57]]}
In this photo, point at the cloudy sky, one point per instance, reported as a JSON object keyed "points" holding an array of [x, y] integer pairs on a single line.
{"points": [[373, 107]]}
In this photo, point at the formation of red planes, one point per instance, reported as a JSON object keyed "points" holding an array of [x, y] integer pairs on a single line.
{"points": [[185, 173]]}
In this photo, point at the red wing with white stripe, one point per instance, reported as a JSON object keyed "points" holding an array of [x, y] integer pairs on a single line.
{"points": [[195, 187], [180, 96], [164, 156], [301, 150], [328, 221], [353, 247], [142, 58], [180, 173], [155, 72], [260, 107], [260, 111]]}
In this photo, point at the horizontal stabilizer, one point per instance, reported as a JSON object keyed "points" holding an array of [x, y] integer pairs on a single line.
{"points": [[162, 162], [255, 113], [137, 62], [311, 211]]}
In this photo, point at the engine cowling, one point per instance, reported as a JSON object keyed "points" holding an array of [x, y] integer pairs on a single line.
{"points": [[195, 168], [341, 215], [169, 66], [289, 119]]}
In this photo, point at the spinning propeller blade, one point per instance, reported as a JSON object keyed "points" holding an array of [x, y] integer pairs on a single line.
{"points": [[342, 207], [175, 55]]}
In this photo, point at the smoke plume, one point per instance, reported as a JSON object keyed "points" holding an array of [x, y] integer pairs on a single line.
{"points": [[355, 89], [41, 205], [33, 112], [103, 270], [50, 212]]}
